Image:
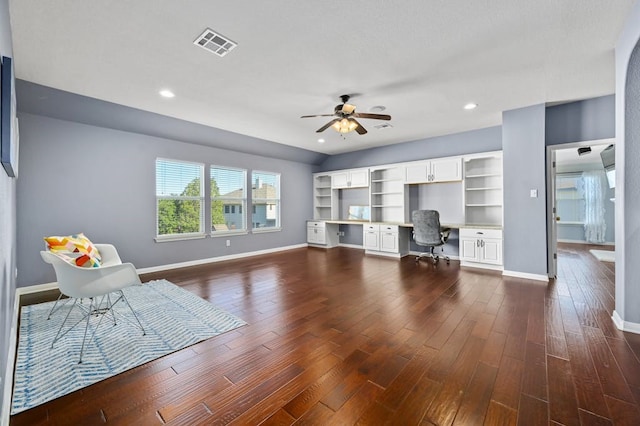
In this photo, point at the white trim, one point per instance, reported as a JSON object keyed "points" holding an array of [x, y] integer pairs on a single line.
{"points": [[8, 383], [631, 327], [36, 288], [265, 230], [353, 246], [478, 265], [216, 259], [179, 237], [585, 242], [526, 275]]}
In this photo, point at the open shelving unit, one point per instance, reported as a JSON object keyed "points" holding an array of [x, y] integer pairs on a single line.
{"points": [[388, 195], [483, 190], [322, 197]]}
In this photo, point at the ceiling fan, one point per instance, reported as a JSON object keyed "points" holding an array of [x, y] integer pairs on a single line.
{"points": [[346, 115]]}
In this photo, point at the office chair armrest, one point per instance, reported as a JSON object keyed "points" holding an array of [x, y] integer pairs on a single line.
{"points": [[444, 234]]}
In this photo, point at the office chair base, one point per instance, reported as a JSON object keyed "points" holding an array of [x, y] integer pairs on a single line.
{"points": [[434, 257]]}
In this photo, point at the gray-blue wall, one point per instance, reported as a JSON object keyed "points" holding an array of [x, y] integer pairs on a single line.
{"points": [[7, 228], [481, 140], [581, 121], [82, 178], [525, 225], [628, 170]]}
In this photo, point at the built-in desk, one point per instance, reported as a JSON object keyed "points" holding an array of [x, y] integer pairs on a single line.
{"points": [[479, 245]]}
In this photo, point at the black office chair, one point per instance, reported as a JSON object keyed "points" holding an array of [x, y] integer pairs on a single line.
{"points": [[427, 232]]}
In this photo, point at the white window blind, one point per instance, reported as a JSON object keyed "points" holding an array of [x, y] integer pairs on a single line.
{"points": [[265, 197], [180, 198], [228, 199]]}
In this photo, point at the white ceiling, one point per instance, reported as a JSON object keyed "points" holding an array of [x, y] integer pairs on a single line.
{"points": [[422, 59]]}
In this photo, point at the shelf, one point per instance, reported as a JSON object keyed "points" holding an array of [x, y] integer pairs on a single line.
{"points": [[322, 196], [387, 193], [484, 205], [493, 188], [386, 180], [483, 175], [323, 207], [385, 206]]}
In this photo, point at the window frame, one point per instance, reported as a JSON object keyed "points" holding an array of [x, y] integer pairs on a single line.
{"points": [[187, 235], [243, 202], [277, 202]]}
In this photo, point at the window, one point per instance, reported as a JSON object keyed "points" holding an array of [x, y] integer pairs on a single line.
{"points": [[570, 202], [180, 198], [228, 195], [265, 196]]}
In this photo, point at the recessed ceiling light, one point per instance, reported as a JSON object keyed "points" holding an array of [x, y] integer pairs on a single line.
{"points": [[320, 140], [165, 93], [377, 108], [470, 105]]}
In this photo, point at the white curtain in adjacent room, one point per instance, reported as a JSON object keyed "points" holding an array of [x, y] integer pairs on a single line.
{"points": [[594, 196]]}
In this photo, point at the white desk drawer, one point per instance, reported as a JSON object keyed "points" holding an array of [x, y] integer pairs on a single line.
{"points": [[480, 233], [316, 225], [370, 227], [389, 228]]}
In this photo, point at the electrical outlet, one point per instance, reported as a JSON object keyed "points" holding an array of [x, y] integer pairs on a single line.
{"points": [[228, 243], [341, 233]]}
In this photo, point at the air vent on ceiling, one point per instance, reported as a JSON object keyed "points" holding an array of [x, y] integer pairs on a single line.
{"points": [[214, 42], [383, 126]]}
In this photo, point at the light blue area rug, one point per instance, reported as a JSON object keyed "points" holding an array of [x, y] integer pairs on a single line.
{"points": [[173, 318]]}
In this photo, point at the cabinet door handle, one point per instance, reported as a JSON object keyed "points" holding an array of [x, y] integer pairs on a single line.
{"points": [[477, 243], [481, 243]]}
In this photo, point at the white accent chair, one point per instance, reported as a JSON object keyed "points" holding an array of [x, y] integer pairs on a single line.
{"points": [[95, 284]]}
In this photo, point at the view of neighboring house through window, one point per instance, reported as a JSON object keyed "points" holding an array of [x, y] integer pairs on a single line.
{"points": [[228, 199], [265, 197], [180, 198]]}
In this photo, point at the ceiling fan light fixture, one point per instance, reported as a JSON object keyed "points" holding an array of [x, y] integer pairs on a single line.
{"points": [[344, 126]]}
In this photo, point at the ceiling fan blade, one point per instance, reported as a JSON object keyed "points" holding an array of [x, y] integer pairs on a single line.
{"points": [[317, 115], [361, 130], [326, 126], [372, 116]]}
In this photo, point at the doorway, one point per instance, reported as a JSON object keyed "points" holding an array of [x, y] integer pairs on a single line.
{"points": [[580, 199]]}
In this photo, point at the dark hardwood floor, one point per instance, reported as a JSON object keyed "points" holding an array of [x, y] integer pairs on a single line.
{"points": [[337, 337]]}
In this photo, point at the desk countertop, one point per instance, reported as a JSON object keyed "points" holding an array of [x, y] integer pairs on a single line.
{"points": [[410, 225]]}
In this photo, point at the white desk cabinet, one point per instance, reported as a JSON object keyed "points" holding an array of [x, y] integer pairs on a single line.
{"points": [[389, 239], [356, 178], [371, 236], [322, 234], [385, 240], [446, 170], [481, 247]]}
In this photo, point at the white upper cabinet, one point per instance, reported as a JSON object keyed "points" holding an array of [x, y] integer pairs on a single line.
{"points": [[356, 178], [445, 170]]}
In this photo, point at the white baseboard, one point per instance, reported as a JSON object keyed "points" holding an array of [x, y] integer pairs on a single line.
{"points": [[353, 246], [525, 275], [631, 327], [585, 242], [166, 267]]}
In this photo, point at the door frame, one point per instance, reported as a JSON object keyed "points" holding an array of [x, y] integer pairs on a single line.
{"points": [[552, 227]]}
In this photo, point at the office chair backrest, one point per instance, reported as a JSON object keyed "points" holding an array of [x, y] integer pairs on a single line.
{"points": [[426, 227]]}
